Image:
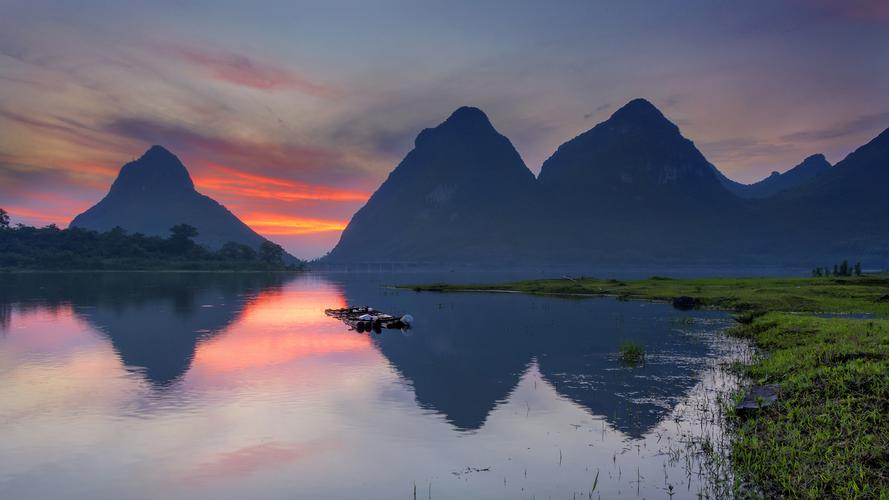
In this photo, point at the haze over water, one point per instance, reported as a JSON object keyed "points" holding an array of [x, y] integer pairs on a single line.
{"points": [[174, 385]]}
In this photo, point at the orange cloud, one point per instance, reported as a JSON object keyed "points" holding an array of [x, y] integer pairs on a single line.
{"points": [[92, 168], [237, 182], [278, 224], [42, 218]]}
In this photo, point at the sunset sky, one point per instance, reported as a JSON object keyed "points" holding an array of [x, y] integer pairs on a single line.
{"points": [[292, 113]]}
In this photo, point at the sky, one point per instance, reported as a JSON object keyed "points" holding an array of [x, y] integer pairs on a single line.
{"points": [[292, 113]]}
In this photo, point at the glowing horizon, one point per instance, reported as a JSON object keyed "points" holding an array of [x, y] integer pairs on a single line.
{"points": [[299, 126]]}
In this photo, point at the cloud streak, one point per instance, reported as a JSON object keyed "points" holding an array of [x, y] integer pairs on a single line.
{"points": [[239, 69], [316, 163], [275, 224], [237, 182], [871, 123], [310, 123]]}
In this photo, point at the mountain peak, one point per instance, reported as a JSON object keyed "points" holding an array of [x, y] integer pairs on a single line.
{"points": [[154, 193], [812, 165], [158, 151], [156, 171], [468, 115], [636, 150], [467, 122], [807, 170], [452, 195], [641, 112], [639, 105]]}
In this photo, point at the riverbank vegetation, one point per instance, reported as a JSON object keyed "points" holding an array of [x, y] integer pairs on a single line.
{"points": [[823, 342], [828, 434], [50, 248], [864, 294]]}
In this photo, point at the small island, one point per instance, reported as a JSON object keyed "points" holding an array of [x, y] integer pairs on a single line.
{"points": [[824, 344]]}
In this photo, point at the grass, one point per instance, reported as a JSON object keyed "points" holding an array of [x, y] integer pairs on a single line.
{"points": [[843, 295], [632, 352], [828, 435]]}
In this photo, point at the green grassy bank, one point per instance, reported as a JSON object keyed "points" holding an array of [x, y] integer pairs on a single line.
{"points": [[828, 435], [839, 295]]}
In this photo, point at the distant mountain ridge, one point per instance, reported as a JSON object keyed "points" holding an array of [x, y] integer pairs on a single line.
{"points": [[808, 169], [630, 190], [156, 192]]}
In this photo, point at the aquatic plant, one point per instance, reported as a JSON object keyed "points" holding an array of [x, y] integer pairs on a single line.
{"points": [[632, 352]]}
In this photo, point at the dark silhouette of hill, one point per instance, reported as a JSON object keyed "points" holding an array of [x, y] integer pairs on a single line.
{"points": [[636, 154], [631, 190], [461, 194], [809, 169], [154, 193], [858, 181], [844, 211]]}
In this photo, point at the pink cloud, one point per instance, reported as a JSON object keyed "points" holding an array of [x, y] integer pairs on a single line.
{"points": [[245, 71], [874, 11], [184, 141]]}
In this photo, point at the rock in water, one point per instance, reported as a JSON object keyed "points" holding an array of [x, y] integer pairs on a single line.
{"points": [[758, 396], [685, 303]]}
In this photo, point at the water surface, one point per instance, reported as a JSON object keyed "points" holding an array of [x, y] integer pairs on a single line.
{"points": [[136, 385]]}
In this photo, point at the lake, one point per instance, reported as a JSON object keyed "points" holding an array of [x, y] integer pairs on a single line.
{"points": [[224, 386]]}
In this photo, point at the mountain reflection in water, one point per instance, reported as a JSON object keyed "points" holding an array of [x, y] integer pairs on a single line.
{"points": [[197, 342]]}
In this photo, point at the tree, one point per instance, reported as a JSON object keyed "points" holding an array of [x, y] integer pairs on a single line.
{"points": [[181, 237], [858, 269], [836, 270], [183, 231], [271, 253], [4, 219], [844, 268], [237, 251]]}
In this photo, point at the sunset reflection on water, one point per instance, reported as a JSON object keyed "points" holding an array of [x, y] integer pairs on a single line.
{"points": [[280, 327], [238, 386]]}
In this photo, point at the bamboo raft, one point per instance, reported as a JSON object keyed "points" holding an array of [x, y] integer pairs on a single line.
{"points": [[366, 319]]}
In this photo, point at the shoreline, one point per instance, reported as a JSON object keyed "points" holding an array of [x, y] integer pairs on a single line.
{"points": [[827, 434]]}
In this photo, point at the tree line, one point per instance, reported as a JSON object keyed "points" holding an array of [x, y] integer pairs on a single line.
{"points": [[841, 269], [49, 247]]}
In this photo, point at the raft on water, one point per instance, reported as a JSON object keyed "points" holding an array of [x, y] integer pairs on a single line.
{"points": [[365, 319]]}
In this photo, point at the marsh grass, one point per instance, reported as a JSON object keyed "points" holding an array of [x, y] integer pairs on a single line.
{"points": [[632, 352], [828, 435], [843, 294]]}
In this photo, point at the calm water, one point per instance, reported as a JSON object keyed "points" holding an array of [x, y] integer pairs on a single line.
{"points": [[238, 386]]}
